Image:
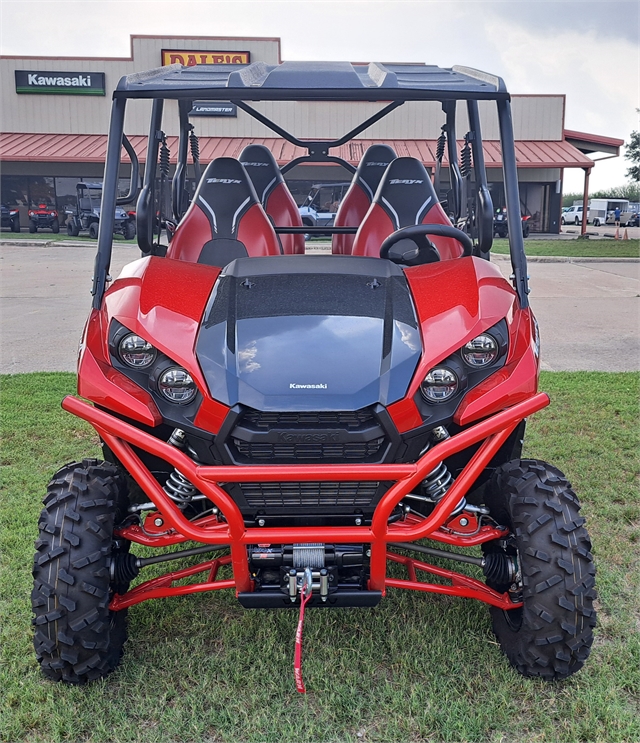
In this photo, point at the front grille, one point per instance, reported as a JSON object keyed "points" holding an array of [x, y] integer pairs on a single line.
{"points": [[308, 494], [328, 437], [310, 452], [339, 419]]}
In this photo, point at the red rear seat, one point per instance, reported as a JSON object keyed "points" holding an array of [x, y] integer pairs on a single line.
{"points": [[273, 193], [358, 198]]}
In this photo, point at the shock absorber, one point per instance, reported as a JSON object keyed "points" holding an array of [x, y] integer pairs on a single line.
{"points": [[195, 150], [465, 158], [440, 479], [177, 487], [440, 145]]}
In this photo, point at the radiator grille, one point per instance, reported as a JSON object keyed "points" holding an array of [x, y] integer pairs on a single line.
{"points": [[340, 419], [311, 452], [308, 494]]}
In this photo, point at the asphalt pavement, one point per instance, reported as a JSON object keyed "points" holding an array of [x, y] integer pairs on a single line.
{"points": [[588, 309]]}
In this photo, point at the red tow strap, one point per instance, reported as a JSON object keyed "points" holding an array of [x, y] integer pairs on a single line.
{"points": [[297, 661]]}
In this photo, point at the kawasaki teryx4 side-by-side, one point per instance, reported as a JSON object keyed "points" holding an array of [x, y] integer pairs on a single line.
{"points": [[306, 420]]}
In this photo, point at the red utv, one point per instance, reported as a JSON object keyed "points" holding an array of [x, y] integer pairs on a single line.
{"points": [[301, 421], [44, 216]]}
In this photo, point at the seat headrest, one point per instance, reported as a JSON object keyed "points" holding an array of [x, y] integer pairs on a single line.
{"points": [[224, 194], [406, 192], [262, 168], [372, 166]]}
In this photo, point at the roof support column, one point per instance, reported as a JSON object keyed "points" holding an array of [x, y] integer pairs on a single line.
{"points": [[585, 201], [108, 203], [512, 197]]}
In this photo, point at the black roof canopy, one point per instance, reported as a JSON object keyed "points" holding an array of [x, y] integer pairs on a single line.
{"points": [[314, 81]]}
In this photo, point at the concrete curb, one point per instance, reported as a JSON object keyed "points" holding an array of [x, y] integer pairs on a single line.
{"points": [[55, 244], [567, 259]]}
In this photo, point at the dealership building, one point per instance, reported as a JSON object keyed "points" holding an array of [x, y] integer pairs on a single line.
{"points": [[55, 115]]}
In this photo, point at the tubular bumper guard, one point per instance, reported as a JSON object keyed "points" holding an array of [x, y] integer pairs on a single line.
{"points": [[493, 432]]}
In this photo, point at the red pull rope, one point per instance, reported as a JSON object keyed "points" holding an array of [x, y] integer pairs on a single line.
{"points": [[297, 661]]}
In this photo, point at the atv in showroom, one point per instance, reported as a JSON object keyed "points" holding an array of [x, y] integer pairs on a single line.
{"points": [[301, 421]]}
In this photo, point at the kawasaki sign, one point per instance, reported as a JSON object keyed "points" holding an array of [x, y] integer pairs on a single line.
{"points": [[60, 83]]}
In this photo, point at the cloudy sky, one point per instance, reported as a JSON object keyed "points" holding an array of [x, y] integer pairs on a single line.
{"points": [[587, 49]]}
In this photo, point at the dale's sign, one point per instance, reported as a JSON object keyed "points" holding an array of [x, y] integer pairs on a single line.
{"points": [[192, 57]]}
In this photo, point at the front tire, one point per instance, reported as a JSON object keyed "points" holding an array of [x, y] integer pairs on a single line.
{"points": [[93, 230], [77, 639], [55, 226], [550, 636], [33, 227], [129, 231]]}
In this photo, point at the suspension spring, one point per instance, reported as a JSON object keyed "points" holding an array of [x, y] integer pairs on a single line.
{"points": [[177, 487], [440, 145], [194, 144], [165, 155], [436, 484], [465, 159]]}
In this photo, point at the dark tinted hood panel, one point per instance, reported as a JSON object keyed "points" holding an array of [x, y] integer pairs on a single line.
{"points": [[309, 333]]}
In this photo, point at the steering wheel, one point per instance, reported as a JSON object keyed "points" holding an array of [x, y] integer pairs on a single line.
{"points": [[420, 230]]}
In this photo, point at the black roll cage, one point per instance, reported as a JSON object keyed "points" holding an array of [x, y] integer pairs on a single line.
{"points": [[164, 83]]}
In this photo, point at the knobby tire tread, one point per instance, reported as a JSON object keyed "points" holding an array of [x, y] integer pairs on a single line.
{"points": [[555, 636], [77, 639]]}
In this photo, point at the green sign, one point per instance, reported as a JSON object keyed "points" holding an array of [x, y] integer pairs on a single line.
{"points": [[60, 83]]}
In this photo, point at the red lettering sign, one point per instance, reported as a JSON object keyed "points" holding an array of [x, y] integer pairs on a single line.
{"points": [[192, 57]]}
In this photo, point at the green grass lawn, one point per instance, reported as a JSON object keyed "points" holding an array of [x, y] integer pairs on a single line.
{"points": [[416, 668], [574, 248]]}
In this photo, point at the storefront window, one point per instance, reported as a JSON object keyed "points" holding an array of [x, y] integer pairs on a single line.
{"points": [[41, 191], [65, 196], [15, 190]]}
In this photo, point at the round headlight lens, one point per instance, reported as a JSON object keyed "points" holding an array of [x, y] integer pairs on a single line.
{"points": [[481, 351], [136, 352], [440, 384], [177, 385]]}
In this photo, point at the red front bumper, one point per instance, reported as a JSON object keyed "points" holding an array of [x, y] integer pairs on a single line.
{"points": [[492, 432]]}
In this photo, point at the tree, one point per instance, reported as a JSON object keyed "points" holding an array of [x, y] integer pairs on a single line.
{"points": [[633, 155]]}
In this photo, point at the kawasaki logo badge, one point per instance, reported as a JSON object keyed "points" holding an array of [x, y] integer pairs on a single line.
{"points": [[293, 386], [61, 83]]}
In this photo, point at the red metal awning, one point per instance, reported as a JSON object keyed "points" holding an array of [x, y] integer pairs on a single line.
{"points": [[92, 148]]}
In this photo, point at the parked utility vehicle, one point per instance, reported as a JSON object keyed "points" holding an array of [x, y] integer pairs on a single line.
{"points": [[87, 213], [43, 216], [10, 218], [307, 419], [321, 205]]}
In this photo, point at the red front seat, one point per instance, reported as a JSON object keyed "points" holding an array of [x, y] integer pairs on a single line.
{"points": [[405, 197], [225, 220], [273, 193], [358, 198]]}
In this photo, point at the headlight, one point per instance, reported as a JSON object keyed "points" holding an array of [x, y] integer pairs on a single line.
{"points": [[481, 351], [440, 384], [31, 214], [177, 385], [136, 352], [536, 338]]}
